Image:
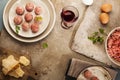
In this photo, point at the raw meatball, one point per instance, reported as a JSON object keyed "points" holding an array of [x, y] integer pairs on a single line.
{"points": [[28, 17], [35, 27], [38, 19], [38, 10], [18, 20], [20, 10], [25, 26], [29, 7], [87, 74], [94, 78]]}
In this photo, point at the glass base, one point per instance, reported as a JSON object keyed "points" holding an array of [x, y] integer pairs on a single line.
{"points": [[66, 25]]}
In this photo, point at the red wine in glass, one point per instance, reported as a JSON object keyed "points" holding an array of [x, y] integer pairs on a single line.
{"points": [[69, 15]]}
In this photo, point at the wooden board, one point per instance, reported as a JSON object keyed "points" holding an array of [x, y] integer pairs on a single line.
{"points": [[30, 72], [91, 24]]}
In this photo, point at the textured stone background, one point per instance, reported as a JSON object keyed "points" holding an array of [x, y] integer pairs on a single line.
{"points": [[52, 62]]}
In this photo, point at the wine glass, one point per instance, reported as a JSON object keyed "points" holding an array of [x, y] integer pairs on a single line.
{"points": [[69, 15]]}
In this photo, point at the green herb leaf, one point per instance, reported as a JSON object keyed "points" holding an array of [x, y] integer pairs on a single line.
{"points": [[93, 39], [95, 34], [100, 39], [17, 29], [101, 31], [44, 45]]}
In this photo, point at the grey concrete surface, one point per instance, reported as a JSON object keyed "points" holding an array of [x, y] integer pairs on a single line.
{"points": [[51, 63]]}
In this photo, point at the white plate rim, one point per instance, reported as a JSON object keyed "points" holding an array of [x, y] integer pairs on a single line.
{"points": [[24, 39]]}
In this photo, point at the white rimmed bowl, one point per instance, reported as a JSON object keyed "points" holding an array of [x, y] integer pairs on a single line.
{"points": [[95, 68], [106, 47]]}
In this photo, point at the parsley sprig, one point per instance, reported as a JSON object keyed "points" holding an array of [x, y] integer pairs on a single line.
{"points": [[17, 29], [96, 37]]}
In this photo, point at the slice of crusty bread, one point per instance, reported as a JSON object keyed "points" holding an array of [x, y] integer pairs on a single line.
{"points": [[13, 74], [17, 73], [23, 60], [9, 64]]}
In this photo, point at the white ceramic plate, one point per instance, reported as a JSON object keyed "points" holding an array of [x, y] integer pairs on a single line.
{"points": [[34, 39], [97, 71], [45, 15]]}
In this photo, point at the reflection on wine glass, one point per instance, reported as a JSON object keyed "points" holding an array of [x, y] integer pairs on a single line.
{"points": [[69, 15]]}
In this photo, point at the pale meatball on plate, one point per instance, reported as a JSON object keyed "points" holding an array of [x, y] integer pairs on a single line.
{"points": [[20, 10], [29, 7], [35, 27], [38, 10], [28, 17], [18, 20], [25, 26]]}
